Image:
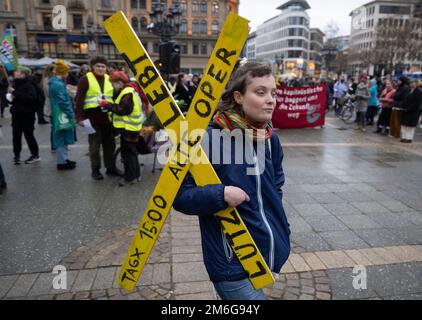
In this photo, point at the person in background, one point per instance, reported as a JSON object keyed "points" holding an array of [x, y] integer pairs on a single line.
{"points": [[373, 102], [183, 91], [127, 120], [24, 107], [340, 89], [420, 117], [402, 92], [4, 86], [362, 96], [37, 81], [61, 102], [352, 86], [3, 184], [47, 74], [387, 101], [411, 112], [93, 89]]}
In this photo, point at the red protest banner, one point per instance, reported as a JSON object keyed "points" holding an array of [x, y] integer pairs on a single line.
{"points": [[300, 107]]}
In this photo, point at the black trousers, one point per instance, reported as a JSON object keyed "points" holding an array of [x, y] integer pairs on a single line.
{"points": [[2, 178], [130, 160], [102, 137], [360, 119], [23, 123], [3, 103], [370, 114], [385, 118]]}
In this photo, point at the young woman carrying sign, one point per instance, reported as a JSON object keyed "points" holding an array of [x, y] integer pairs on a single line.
{"points": [[247, 106]]}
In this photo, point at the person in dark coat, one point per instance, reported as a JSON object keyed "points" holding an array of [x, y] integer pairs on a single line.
{"points": [[24, 107], [4, 85], [183, 91], [401, 93], [411, 112]]}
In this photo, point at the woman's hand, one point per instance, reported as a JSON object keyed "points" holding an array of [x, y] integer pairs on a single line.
{"points": [[235, 196]]}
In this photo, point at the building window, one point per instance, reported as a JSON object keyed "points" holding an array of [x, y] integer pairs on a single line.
{"points": [[183, 6], [204, 7], [184, 48], [195, 48], [204, 28], [195, 6], [184, 26], [79, 48], [386, 9], [46, 20], [78, 22], [204, 49], [49, 48], [156, 47], [143, 4], [195, 26], [144, 24], [134, 4], [215, 27], [109, 51], [135, 24], [215, 8], [106, 3]]}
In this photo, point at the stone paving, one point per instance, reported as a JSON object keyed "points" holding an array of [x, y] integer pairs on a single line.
{"points": [[351, 199]]}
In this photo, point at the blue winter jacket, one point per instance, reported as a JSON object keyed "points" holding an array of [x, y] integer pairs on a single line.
{"points": [[373, 90], [264, 215]]}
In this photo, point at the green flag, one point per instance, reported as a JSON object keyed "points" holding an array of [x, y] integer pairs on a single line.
{"points": [[8, 55]]}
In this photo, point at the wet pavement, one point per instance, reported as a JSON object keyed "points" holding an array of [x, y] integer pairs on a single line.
{"points": [[347, 193]]}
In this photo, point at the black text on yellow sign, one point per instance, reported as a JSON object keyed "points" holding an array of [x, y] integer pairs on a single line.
{"points": [[216, 76]]}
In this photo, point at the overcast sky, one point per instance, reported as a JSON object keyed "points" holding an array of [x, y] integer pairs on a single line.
{"points": [[322, 12]]}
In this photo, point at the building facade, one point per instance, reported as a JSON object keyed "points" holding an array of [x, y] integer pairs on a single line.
{"points": [[288, 36], [365, 21], [250, 47], [315, 52], [84, 35]]}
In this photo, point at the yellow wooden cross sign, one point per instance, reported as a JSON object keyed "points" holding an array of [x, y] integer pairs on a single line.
{"points": [[189, 133]]}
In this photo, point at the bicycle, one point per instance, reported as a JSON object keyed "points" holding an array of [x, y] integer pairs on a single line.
{"points": [[348, 111]]}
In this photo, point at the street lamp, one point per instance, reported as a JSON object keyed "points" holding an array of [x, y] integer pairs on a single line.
{"points": [[92, 47], [165, 23]]}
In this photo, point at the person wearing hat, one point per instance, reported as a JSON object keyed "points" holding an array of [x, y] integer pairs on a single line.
{"points": [[24, 107], [94, 88], [411, 112], [61, 104], [401, 93], [127, 115], [362, 96]]}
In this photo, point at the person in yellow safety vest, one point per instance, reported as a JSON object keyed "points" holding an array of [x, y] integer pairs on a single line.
{"points": [[93, 88], [127, 118]]}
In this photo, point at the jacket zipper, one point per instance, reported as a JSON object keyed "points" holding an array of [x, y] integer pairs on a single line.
{"points": [[261, 210], [227, 249]]}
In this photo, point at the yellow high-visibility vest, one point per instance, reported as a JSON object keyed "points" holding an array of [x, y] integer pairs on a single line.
{"points": [[134, 121], [94, 91]]}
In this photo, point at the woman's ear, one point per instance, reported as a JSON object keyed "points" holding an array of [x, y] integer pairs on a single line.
{"points": [[238, 97]]}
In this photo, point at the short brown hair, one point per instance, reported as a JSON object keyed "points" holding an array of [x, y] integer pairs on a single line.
{"points": [[98, 59]]}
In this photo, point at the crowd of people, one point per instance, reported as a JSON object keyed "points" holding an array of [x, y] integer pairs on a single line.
{"points": [[394, 107], [98, 96]]}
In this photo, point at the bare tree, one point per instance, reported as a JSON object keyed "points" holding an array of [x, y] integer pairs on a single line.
{"points": [[398, 41]]}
